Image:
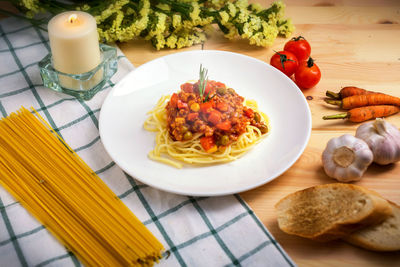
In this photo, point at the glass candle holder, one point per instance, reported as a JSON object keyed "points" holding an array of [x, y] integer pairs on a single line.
{"points": [[85, 85]]}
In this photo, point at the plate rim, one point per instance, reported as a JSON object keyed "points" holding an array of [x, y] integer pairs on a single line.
{"points": [[218, 192]]}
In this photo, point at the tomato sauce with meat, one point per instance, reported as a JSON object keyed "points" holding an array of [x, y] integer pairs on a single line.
{"points": [[219, 115]]}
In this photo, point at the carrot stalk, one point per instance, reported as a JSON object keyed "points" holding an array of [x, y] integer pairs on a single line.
{"points": [[334, 102], [365, 113], [336, 116], [333, 95]]}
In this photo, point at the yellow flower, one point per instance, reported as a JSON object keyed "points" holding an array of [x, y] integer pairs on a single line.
{"points": [[176, 20], [171, 41], [166, 26], [243, 15], [118, 19], [31, 5], [217, 4], [285, 27], [252, 26], [194, 15], [181, 42], [224, 17], [280, 6], [160, 27], [85, 7], [129, 11], [145, 9], [242, 4], [159, 41], [232, 32], [256, 7], [232, 9], [164, 7], [111, 9]]}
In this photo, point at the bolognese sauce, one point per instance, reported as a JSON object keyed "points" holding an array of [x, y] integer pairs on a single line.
{"points": [[218, 115]]}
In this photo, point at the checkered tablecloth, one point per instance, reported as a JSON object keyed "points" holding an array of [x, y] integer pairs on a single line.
{"points": [[215, 231]]}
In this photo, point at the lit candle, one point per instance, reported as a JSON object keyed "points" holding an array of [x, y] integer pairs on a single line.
{"points": [[75, 47]]}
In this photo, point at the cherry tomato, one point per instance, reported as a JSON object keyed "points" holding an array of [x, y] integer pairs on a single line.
{"points": [[299, 47], [308, 74], [285, 61]]}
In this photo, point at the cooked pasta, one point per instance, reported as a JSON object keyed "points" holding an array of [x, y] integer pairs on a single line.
{"points": [[175, 153], [56, 186]]}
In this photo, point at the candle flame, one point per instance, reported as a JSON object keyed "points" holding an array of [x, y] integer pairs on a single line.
{"points": [[72, 18]]}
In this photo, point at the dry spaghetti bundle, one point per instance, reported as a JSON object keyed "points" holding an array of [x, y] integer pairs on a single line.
{"points": [[64, 194]]}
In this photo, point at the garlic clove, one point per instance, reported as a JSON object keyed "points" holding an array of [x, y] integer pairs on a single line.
{"points": [[354, 173], [386, 153], [342, 173], [379, 126], [347, 140], [364, 156]]}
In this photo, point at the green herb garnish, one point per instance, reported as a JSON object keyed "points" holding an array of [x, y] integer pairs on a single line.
{"points": [[202, 83]]}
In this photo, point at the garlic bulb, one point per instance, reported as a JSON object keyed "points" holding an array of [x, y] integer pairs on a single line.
{"points": [[346, 158], [383, 139]]}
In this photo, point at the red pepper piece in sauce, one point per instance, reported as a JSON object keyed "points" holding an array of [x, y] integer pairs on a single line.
{"points": [[206, 107], [187, 87], [192, 116], [182, 104], [174, 100], [208, 144], [225, 125], [249, 113], [214, 117], [222, 106]]}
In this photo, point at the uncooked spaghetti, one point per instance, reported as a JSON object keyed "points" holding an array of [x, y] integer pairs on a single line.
{"points": [[56, 186]]}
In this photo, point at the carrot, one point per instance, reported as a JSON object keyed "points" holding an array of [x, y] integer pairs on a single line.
{"points": [[206, 107], [356, 101], [208, 144], [225, 125], [192, 116], [214, 117], [348, 91], [365, 113]]}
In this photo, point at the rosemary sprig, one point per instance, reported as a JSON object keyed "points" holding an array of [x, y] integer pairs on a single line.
{"points": [[202, 83], [208, 99]]}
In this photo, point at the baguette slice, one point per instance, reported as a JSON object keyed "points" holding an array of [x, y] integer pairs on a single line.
{"points": [[382, 237], [331, 211]]}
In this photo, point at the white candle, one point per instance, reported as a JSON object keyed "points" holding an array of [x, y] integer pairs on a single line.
{"points": [[74, 47]]}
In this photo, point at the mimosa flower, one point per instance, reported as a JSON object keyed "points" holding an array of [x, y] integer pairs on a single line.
{"points": [[178, 23]]}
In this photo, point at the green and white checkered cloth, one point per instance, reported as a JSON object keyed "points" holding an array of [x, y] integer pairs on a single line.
{"points": [[215, 231]]}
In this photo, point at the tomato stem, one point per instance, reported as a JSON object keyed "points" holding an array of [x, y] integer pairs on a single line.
{"points": [[283, 58], [298, 38], [310, 62]]}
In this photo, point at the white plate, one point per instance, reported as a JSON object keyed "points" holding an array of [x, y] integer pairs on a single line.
{"points": [[124, 111]]}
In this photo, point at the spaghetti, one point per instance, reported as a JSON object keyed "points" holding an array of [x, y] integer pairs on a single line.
{"points": [[191, 130], [52, 182]]}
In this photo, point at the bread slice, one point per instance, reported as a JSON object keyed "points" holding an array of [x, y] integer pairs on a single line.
{"points": [[382, 237], [331, 211]]}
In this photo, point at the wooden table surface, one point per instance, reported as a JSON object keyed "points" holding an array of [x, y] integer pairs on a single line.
{"points": [[354, 42]]}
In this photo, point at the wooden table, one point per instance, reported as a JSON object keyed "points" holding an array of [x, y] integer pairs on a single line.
{"points": [[354, 42]]}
